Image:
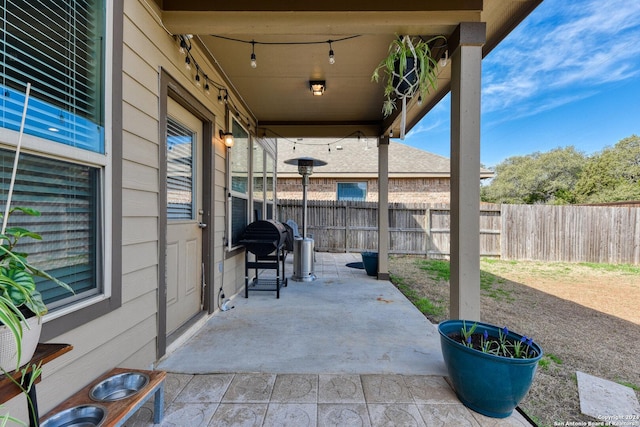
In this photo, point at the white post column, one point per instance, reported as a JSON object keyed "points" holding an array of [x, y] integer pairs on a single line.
{"points": [[466, 58], [383, 208]]}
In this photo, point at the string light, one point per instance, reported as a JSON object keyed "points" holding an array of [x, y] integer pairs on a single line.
{"points": [[444, 60], [200, 78], [332, 58], [254, 64]]}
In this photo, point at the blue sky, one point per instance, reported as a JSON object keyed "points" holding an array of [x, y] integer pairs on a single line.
{"points": [[567, 75]]}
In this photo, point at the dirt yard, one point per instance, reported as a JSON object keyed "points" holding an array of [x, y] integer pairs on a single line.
{"points": [[585, 317]]}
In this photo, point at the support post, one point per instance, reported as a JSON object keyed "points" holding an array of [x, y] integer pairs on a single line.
{"points": [[466, 60], [383, 208]]}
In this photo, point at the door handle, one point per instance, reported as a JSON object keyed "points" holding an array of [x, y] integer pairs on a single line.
{"points": [[202, 225]]}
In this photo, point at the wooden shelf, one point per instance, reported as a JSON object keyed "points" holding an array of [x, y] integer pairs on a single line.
{"points": [[44, 354]]}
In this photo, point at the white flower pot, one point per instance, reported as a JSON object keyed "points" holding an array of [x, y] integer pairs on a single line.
{"points": [[8, 349]]}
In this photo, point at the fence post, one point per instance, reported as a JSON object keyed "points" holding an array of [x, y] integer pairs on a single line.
{"points": [[427, 230]]}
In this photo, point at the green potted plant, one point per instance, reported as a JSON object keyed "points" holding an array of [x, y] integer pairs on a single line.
{"points": [[21, 305], [491, 368], [408, 68]]}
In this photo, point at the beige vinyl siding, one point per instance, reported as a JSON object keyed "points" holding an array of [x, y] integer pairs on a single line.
{"points": [[127, 337]]}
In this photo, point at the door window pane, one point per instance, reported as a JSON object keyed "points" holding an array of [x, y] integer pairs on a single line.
{"points": [[180, 143]]}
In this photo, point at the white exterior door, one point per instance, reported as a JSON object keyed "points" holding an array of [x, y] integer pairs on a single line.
{"points": [[184, 215]]}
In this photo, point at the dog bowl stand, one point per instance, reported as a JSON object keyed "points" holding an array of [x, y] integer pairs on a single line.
{"points": [[119, 411]]}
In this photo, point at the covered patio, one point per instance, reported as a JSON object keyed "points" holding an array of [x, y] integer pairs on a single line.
{"points": [[345, 349], [167, 74], [272, 54]]}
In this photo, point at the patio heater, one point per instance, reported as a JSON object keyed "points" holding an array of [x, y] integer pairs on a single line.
{"points": [[303, 245]]}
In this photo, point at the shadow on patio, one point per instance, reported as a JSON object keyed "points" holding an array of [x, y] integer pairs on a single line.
{"points": [[343, 350]]}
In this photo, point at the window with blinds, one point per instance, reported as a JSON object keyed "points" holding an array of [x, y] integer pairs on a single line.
{"points": [[67, 197], [58, 47], [180, 143]]}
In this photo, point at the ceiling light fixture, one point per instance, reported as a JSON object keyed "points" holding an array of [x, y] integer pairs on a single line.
{"points": [[317, 87]]}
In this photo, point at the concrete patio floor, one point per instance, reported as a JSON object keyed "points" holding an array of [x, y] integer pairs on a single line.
{"points": [[343, 350]]}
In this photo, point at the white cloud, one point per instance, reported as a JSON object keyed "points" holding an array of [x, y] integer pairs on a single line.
{"points": [[562, 53]]}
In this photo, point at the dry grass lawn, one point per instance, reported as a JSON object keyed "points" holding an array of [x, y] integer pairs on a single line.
{"points": [[586, 317]]}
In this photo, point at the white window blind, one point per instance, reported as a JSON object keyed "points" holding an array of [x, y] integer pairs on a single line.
{"points": [[180, 142], [66, 196], [58, 47]]}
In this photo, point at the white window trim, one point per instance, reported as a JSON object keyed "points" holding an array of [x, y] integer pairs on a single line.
{"points": [[231, 193]]}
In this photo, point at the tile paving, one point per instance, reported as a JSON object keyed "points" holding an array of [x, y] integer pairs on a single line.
{"points": [[301, 400], [383, 389]]}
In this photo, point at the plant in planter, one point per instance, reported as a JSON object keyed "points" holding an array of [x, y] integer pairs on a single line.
{"points": [[408, 68], [20, 302], [491, 368]]}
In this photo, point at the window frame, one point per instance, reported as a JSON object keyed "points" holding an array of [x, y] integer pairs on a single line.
{"points": [[268, 187], [109, 252], [231, 245]]}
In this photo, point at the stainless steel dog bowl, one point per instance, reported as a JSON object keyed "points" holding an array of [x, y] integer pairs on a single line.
{"points": [[119, 386], [78, 416]]}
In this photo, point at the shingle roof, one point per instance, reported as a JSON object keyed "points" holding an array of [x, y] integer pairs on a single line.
{"points": [[359, 158]]}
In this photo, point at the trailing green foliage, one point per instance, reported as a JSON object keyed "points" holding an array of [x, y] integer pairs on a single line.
{"points": [[400, 49], [18, 293]]}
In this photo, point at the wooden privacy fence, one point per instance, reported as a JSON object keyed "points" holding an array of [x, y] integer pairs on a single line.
{"points": [[571, 233], [519, 232]]}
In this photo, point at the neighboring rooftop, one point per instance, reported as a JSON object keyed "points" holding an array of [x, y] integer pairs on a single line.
{"points": [[355, 157]]}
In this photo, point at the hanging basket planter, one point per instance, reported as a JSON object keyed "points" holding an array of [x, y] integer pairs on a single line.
{"points": [[409, 68], [405, 83]]}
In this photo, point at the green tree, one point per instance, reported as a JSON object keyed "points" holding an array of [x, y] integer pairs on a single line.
{"points": [[547, 177], [611, 175]]}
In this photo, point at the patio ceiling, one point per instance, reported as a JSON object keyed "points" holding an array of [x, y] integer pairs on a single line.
{"points": [[277, 93]]}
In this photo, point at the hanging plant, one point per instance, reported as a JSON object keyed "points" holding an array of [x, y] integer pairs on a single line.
{"points": [[409, 68]]}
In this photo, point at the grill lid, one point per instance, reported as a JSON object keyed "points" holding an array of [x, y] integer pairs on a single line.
{"points": [[264, 236]]}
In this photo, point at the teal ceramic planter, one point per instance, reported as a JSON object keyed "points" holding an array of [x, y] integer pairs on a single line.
{"points": [[488, 384], [370, 261]]}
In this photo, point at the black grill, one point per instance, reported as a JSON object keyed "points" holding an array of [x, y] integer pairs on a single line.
{"points": [[266, 240], [264, 237]]}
